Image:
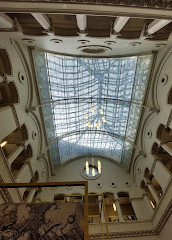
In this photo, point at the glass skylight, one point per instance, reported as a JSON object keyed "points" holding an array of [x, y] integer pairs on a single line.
{"points": [[81, 92]]}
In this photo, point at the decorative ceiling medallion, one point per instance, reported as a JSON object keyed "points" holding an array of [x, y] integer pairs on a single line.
{"points": [[94, 49], [83, 41], [109, 42], [134, 44], [28, 40], [55, 40]]}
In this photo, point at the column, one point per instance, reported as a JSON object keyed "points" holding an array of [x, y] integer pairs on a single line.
{"points": [[146, 199], [118, 209], [31, 195], [15, 154], [101, 209], [153, 192], [67, 199]]}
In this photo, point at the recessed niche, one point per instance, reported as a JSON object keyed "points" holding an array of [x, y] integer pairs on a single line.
{"points": [[82, 41], [28, 40], [134, 44], [94, 49], [160, 45], [109, 42], [127, 184], [113, 185], [34, 134], [21, 77], [98, 185], [55, 40], [164, 79], [149, 133]]}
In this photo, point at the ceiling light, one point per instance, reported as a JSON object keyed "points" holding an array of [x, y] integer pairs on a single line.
{"points": [[97, 125], [114, 207], [101, 111], [103, 119], [3, 144], [92, 109], [86, 116], [89, 124]]}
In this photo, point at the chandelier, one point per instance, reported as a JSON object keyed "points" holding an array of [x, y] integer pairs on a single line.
{"points": [[100, 119], [92, 168]]}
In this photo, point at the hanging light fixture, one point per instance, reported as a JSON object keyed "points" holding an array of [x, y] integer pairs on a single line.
{"points": [[3, 144], [101, 111], [92, 109], [97, 125], [89, 124], [86, 116], [103, 119], [92, 168]]}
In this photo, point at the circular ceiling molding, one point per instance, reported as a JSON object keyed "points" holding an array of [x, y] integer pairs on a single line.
{"points": [[83, 41], [28, 40], [134, 44], [94, 49], [55, 40], [109, 42]]}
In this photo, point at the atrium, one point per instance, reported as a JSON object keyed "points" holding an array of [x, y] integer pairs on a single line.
{"points": [[86, 95]]}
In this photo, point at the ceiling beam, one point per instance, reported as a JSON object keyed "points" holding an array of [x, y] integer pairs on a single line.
{"points": [[81, 22], [42, 19], [157, 24], [5, 21], [119, 24]]}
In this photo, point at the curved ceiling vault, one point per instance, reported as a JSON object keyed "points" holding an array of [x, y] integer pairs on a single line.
{"points": [[92, 105]]}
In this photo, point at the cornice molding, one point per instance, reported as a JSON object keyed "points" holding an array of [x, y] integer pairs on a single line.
{"points": [[150, 232], [162, 4]]}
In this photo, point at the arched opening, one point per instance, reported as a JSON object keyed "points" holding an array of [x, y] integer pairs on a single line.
{"points": [[8, 94], [13, 141], [93, 209], [126, 207], [28, 191], [170, 97], [164, 134], [163, 156], [149, 176], [19, 161], [5, 66], [110, 207], [149, 195]]}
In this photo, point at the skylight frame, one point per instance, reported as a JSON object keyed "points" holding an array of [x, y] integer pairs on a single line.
{"points": [[127, 140]]}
